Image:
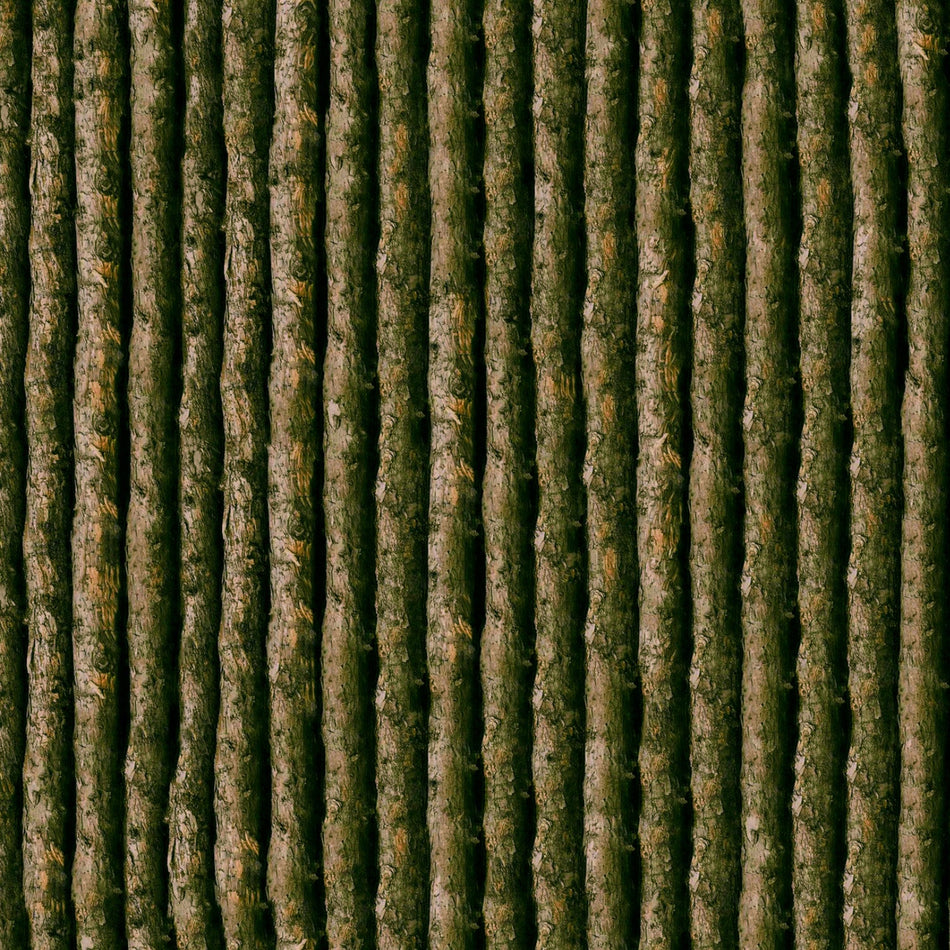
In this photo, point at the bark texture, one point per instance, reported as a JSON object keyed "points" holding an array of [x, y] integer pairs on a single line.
{"points": [[348, 848], [768, 573], [194, 911], [714, 511], [150, 536], [454, 310], [402, 478], [661, 327], [824, 270], [35, 800], [607, 357], [875, 465], [240, 755], [556, 305], [101, 93], [293, 852], [921, 42], [507, 511]]}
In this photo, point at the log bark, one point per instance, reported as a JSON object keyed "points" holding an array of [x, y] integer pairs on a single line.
{"points": [[660, 496], [14, 317], [293, 852], [402, 480], [556, 304], [152, 576], [241, 752], [922, 708], [714, 472], [101, 90], [348, 848], [507, 509], [768, 572], [824, 271], [454, 312], [875, 466], [194, 911], [607, 361]]}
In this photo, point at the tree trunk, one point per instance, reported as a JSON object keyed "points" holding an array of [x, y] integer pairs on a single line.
{"points": [[241, 764], [348, 848], [875, 465], [402, 478], [506, 504], [921, 44], [191, 804], [101, 90], [661, 338], [714, 473], [556, 305]]}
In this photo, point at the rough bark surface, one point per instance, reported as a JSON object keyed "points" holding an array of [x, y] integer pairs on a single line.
{"points": [[767, 583], [150, 534], [506, 505], [240, 755], [101, 92], [661, 337], [921, 43], [293, 851], [714, 512], [874, 563], [402, 478], [607, 357], [556, 304], [348, 848], [191, 805], [454, 309], [47, 765], [824, 270]]}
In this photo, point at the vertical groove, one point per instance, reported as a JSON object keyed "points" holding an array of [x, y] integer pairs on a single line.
{"points": [[14, 318], [661, 311], [874, 563], [453, 499], [240, 756], [506, 505], [556, 304], [100, 85], [293, 851], [768, 572], [194, 911], [401, 482], [607, 359], [714, 511], [150, 534], [921, 41], [347, 388], [47, 765], [824, 269]]}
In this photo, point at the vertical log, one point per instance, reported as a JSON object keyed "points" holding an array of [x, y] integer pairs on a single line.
{"points": [[100, 94], [506, 505], [191, 803], [348, 851], [661, 313], [150, 534], [607, 361], [556, 304], [402, 479], [875, 465], [714, 511], [922, 710], [240, 756], [453, 496], [824, 269]]}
